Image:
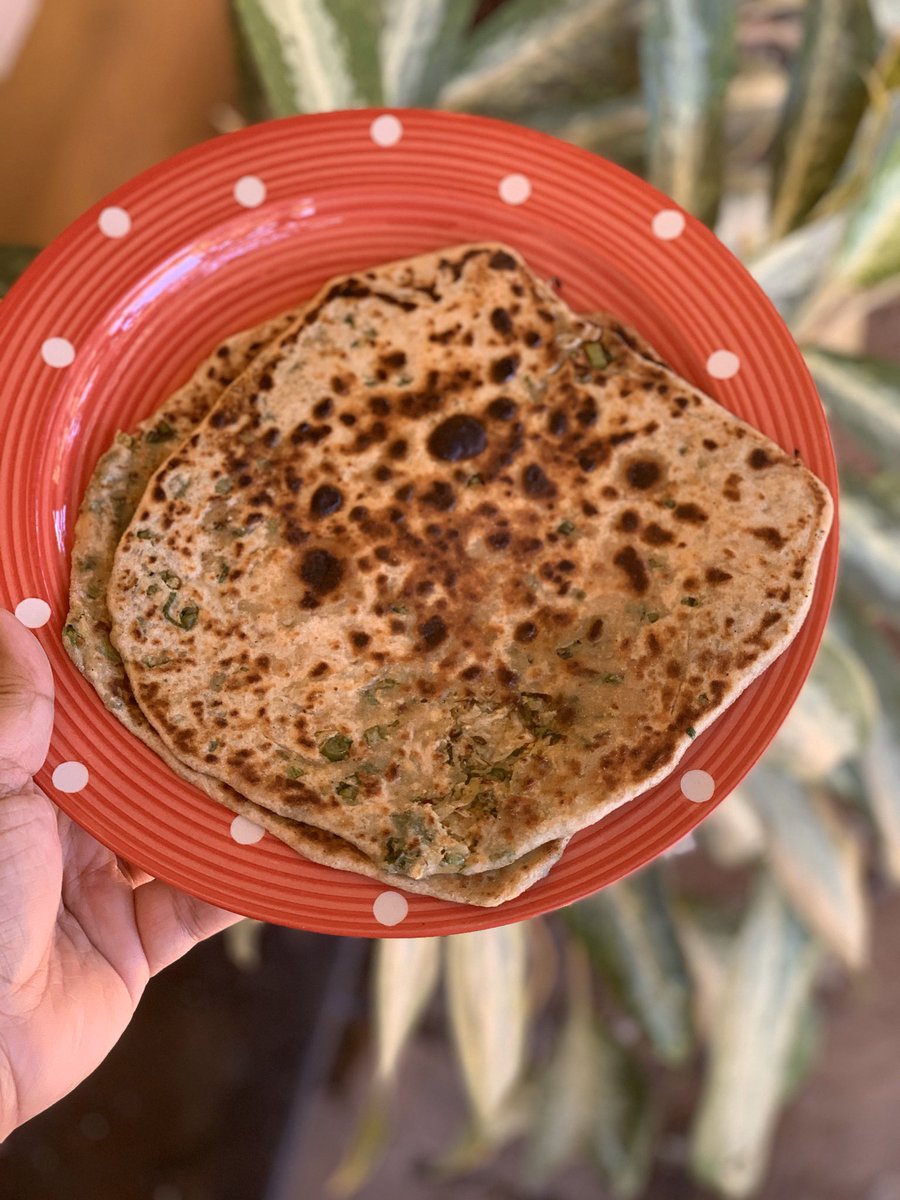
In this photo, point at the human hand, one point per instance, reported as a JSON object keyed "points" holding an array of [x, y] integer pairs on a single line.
{"points": [[80, 931]]}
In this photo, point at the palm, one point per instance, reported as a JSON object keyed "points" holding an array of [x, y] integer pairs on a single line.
{"points": [[80, 933]]}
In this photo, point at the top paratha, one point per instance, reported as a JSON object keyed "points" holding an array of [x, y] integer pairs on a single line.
{"points": [[110, 498], [451, 571]]}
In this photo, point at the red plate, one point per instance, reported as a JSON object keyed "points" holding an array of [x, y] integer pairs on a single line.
{"points": [[114, 315]]}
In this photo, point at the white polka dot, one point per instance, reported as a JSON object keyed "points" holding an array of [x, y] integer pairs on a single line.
{"points": [[386, 130], [515, 189], [250, 191], [70, 777], [58, 352], [668, 223], [722, 364], [114, 222], [697, 786], [390, 908], [246, 833], [33, 612]]}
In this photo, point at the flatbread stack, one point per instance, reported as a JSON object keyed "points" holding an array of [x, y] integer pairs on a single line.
{"points": [[432, 573]]}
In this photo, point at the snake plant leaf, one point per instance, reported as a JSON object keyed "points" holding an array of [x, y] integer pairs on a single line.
{"points": [[486, 998], [565, 1099], [816, 861], [687, 59], [767, 989], [706, 944], [405, 975], [243, 944], [13, 261], [870, 251], [623, 1131], [533, 54], [629, 932], [870, 551], [313, 55], [880, 765], [827, 98], [833, 717], [864, 394], [789, 270], [420, 43], [732, 834], [366, 1148]]}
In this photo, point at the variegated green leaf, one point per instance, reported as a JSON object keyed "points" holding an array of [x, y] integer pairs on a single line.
{"points": [[732, 834], [365, 1150], [816, 861], [420, 43], [243, 944], [870, 551], [313, 55], [486, 997], [828, 96], [533, 54], [707, 946], [766, 992], [629, 933], [622, 1134], [833, 717], [687, 59], [404, 979], [566, 1095], [864, 394], [871, 248], [790, 270], [13, 261], [881, 761]]}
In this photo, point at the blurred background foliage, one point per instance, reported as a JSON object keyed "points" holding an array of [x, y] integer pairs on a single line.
{"points": [[776, 122]]}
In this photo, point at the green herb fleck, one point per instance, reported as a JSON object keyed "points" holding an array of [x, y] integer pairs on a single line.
{"points": [[404, 380], [160, 433], [568, 651], [703, 698], [578, 594], [348, 789], [223, 486], [613, 677], [370, 381], [535, 390], [94, 591], [189, 616], [223, 571], [474, 481], [655, 563], [171, 579], [336, 748], [214, 744], [682, 450], [88, 563], [350, 320], [72, 636], [668, 502], [218, 681], [597, 356], [183, 485], [399, 608], [649, 618], [152, 589], [144, 533], [379, 733], [690, 601], [691, 731], [453, 858], [271, 526], [565, 527], [108, 650], [156, 660], [293, 772], [383, 685]]}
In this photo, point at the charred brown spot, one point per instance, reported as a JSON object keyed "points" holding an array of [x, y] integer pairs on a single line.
{"points": [[643, 473], [501, 261], [691, 513], [321, 570], [380, 406], [340, 385], [319, 670], [398, 449], [503, 369], [325, 501], [655, 535], [501, 321], [595, 631], [716, 575], [440, 496], [502, 409], [395, 360], [558, 423], [759, 459], [323, 409], [471, 672], [709, 444], [629, 521], [525, 631], [433, 631], [770, 535], [536, 483], [500, 540], [632, 564], [732, 488], [457, 438], [360, 639], [159, 493]]}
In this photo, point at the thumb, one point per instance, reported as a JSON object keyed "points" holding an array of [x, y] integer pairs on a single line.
{"points": [[26, 704]]}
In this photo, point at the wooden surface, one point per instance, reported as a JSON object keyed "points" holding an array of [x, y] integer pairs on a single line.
{"points": [[101, 90]]}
